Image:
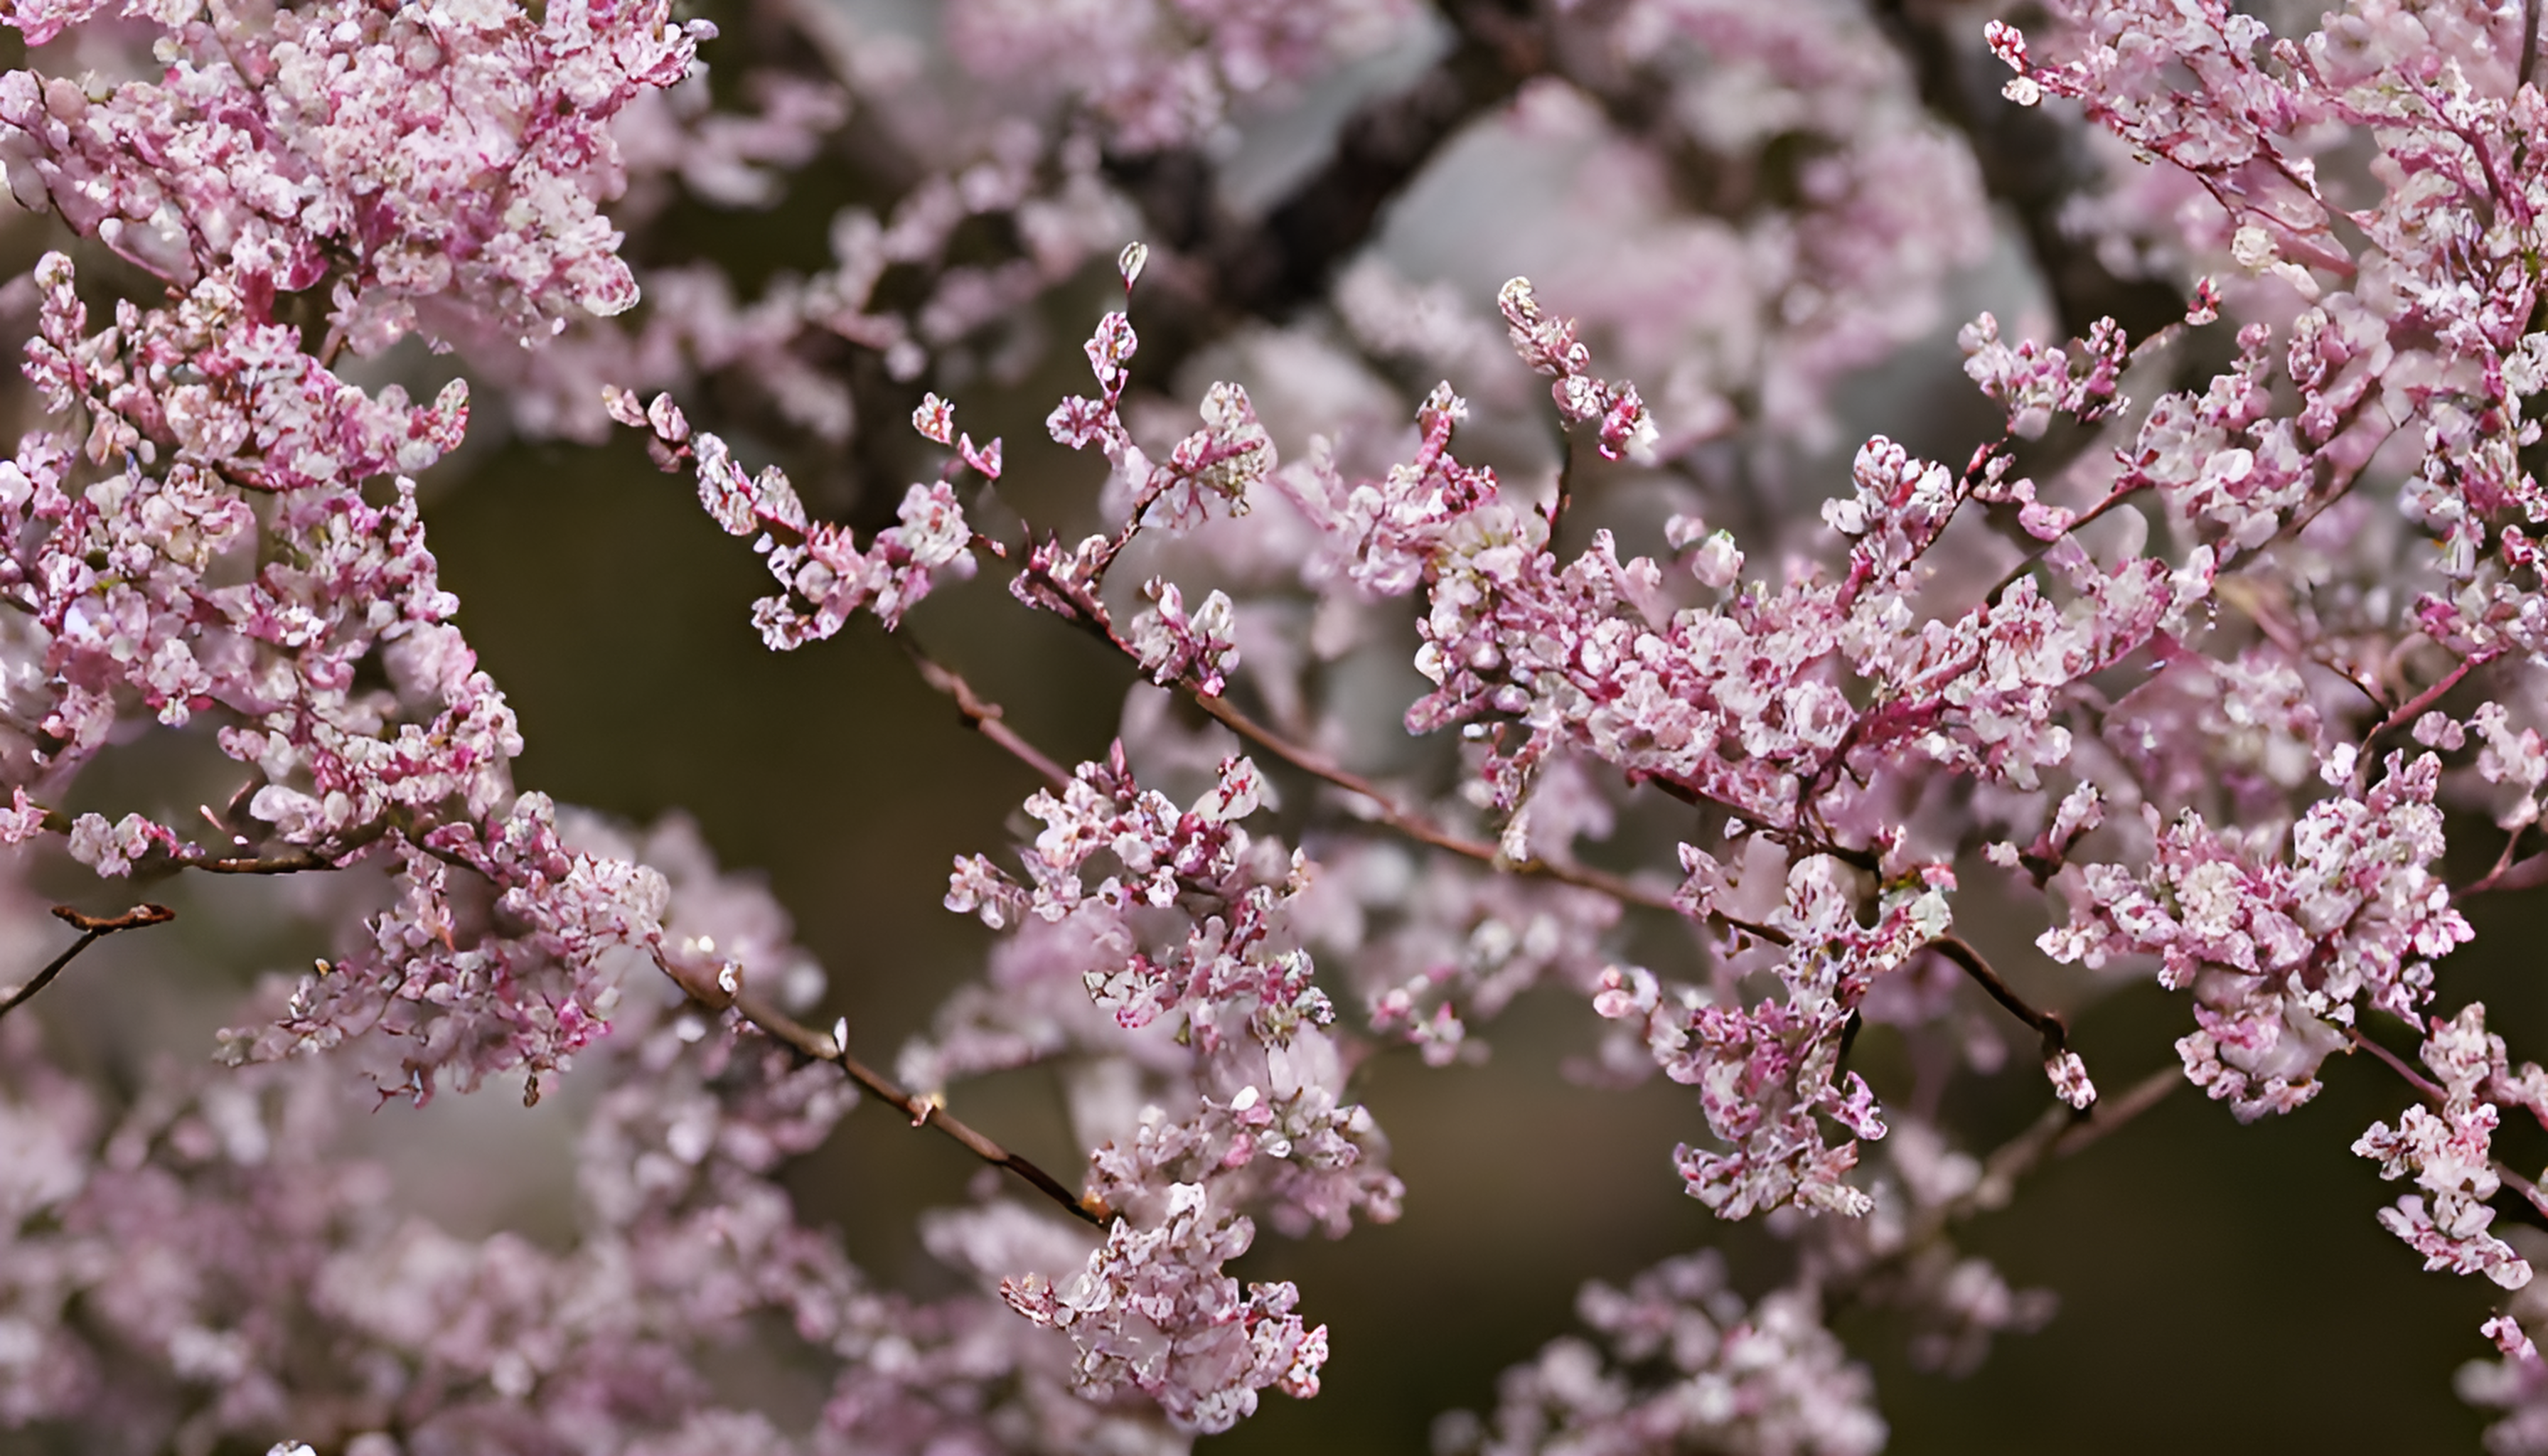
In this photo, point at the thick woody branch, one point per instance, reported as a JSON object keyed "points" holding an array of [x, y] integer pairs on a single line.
{"points": [[92, 928], [1267, 267]]}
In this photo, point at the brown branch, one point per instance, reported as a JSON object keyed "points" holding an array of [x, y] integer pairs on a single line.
{"points": [[1390, 812], [713, 992], [289, 862], [92, 928], [980, 714], [2530, 43], [1423, 830], [2059, 1131], [805, 1040], [2112, 1112], [1565, 488], [2048, 1025], [2425, 1086]]}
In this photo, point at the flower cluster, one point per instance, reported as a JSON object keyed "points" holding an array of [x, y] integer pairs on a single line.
{"points": [[815, 563], [1549, 346], [2446, 1152], [2280, 956], [1757, 1378], [2240, 686], [1766, 1073], [1191, 923], [436, 167]]}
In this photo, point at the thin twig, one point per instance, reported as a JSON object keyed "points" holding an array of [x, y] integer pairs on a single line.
{"points": [[2501, 867], [2513, 1179], [2405, 712], [2059, 1131], [1418, 827], [984, 717], [2048, 1025], [92, 928], [2423, 1085], [980, 714], [1565, 489], [816, 1045], [2078, 524], [2248, 596], [803, 1038], [2521, 874], [2533, 1206], [2112, 1112]]}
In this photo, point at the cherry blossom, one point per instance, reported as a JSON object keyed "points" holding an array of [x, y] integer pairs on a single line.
{"points": [[1648, 709]]}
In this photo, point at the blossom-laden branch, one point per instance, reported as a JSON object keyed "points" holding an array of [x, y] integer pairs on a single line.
{"points": [[305, 1279], [1902, 508], [92, 928], [1190, 930], [216, 524], [2445, 1148], [2278, 954]]}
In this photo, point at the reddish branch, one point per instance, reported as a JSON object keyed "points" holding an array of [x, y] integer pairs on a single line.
{"points": [[2415, 707], [2509, 874], [92, 928], [982, 715], [2423, 1085]]}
